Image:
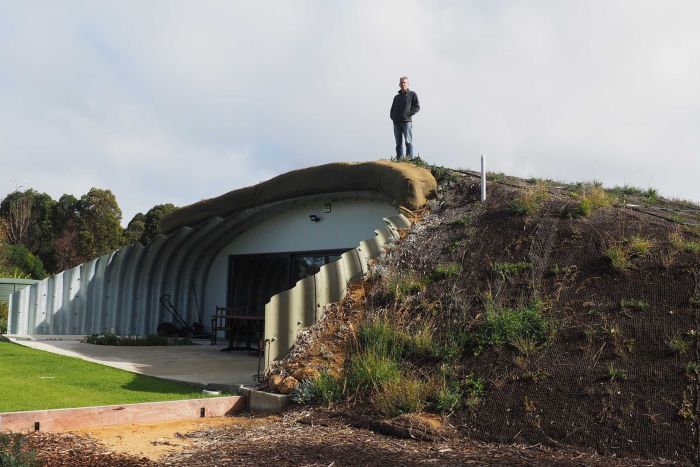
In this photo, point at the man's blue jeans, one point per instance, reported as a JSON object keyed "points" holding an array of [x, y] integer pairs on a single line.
{"points": [[403, 130]]}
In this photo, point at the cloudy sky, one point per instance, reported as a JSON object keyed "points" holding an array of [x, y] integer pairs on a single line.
{"points": [[175, 101]]}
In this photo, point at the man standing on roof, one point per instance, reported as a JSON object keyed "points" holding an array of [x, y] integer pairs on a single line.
{"points": [[404, 106]]}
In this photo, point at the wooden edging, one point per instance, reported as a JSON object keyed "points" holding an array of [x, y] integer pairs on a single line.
{"points": [[85, 417]]}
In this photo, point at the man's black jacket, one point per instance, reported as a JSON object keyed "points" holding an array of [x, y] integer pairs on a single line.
{"points": [[405, 105]]}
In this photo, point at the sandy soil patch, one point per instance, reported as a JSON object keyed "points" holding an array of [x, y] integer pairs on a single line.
{"points": [[154, 440]]}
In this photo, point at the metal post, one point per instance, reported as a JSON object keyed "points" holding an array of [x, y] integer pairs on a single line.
{"points": [[483, 178]]}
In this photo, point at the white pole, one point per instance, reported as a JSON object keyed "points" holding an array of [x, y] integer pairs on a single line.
{"points": [[483, 178]]}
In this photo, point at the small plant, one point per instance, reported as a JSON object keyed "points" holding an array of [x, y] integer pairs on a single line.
{"points": [[616, 373], [403, 395], [369, 371], [530, 200], [525, 345], [529, 405], [304, 392], [619, 258], [3, 319], [380, 337], [463, 221], [328, 388], [452, 344], [420, 343], [633, 304], [686, 411], [511, 269], [681, 244], [650, 195], [694, 302], [678, 344], [591, 197], [692, 369], [495, 176], [640, 246], [404, 285], [558, 270], [445, 271], [513, 327], [131, 341], [473, 386], [457, 245], [12, 454]]}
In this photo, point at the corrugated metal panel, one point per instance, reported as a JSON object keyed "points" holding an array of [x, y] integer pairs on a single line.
{"points": [[288, 312], [120, 291]]}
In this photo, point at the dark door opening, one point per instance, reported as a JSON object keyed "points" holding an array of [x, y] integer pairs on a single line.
{"points": [[254, 279]]}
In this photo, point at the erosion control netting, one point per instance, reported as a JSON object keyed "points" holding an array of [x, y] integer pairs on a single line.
{"points": [[616, 374]]}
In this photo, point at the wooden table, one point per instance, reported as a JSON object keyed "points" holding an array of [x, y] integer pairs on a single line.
{"points": [[250, 325]]}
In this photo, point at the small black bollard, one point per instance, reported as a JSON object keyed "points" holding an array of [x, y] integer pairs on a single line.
{"points": [[201, 412]]}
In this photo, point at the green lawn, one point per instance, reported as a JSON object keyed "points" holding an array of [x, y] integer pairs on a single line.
{"points": [[34, 380]]}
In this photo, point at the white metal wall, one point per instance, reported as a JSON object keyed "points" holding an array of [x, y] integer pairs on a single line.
{"points": [[119, 292]]}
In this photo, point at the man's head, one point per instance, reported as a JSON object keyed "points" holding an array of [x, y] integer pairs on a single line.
{"points": [[403, 83]]}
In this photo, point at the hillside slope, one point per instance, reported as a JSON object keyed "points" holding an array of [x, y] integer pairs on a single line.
{"points": [[547, 315]]}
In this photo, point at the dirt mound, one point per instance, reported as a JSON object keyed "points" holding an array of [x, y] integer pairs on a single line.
{"points": [[615, 366]]}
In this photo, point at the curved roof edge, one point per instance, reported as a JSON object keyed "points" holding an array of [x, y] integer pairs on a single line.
{"points": [[407, 184]]}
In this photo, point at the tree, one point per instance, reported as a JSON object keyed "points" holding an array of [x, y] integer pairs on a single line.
{"points": [[152, 221], [16, 217], [27, 220], [21, 258], [100, 230], [134, 230]]}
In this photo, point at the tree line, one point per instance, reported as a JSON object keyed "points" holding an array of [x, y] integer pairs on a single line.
{"points": [[41, 236]]}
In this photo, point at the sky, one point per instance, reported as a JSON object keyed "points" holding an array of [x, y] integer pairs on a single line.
{"points": [[177, 101]]}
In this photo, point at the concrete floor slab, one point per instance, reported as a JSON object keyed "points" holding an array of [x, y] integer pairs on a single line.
{"points": [[200, 363]]}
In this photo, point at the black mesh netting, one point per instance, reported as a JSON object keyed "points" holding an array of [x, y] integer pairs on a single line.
{"points": [[611, 378]]}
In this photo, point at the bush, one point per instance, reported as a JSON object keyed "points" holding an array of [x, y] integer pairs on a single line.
{"points": [[3, 318], [23, 259]]}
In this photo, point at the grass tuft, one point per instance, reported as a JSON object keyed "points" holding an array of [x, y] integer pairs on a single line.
{"points": [[445, 271], [529, 201], [619, 258], [511, 269], [523, 327], [404, 395], [633, 304]]}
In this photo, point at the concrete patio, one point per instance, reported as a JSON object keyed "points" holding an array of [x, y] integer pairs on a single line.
{"points": [[201, 363]]}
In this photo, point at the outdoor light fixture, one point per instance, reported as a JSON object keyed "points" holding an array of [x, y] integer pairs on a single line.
{"points": [[314, 218]]}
